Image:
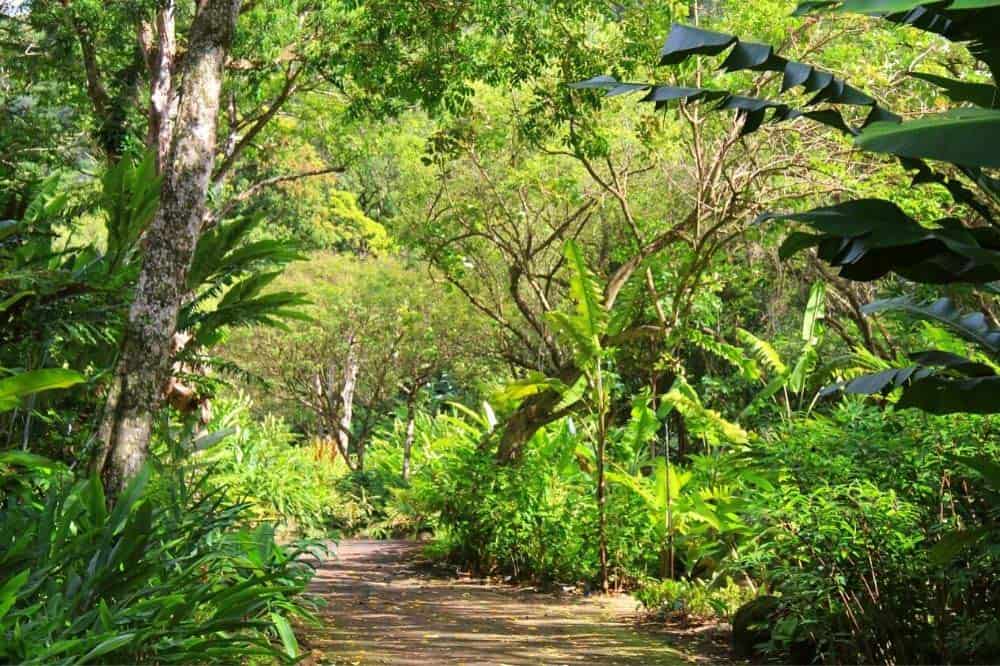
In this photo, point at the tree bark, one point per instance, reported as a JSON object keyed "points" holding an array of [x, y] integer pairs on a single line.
{"points": [[347, 403], [144, 365], [162, 101]]}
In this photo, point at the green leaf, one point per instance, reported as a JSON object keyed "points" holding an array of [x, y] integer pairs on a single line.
{"points": [[26, 383], [8, 593], [815, 311], [944, 395], [887, 6], [5, 304], [110, 645], [288, 639], [573, 394], [973, 326], [969, 137], [762, 350], [803, 367], [530, 385], [980, 94], [586, 292]]}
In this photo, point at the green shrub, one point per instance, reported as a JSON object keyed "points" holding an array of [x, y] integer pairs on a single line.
{"points": [[846, 534], [699, 598], [535, 520], [165, 576], [263, 464]]}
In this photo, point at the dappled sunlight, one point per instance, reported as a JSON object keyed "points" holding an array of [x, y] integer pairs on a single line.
{"points": [[383, 609]]}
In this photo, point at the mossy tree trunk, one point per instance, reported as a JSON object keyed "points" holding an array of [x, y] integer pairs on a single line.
{"points": [[144, 365]]}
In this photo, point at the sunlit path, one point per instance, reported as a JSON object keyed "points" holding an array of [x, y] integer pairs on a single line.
{"points": [[382, 610]]}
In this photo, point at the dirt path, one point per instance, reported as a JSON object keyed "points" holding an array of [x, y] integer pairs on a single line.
{"points": [[382, 609]]}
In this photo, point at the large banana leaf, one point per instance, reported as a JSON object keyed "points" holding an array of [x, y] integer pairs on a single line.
{"points": [[889, 6], [980, 94], [869, 238], [974, 327], [970, 137], [815, 312]]}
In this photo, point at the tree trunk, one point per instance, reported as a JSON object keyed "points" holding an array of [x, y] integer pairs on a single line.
{"points": [[410, 427], [602, 501], [144, 365], [347, 401], [602, 483], [162, 102]]}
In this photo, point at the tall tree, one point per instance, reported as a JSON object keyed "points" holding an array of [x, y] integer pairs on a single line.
{"points": [[144, 366]]}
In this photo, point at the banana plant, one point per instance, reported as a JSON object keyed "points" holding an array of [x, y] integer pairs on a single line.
{"points": [[582, 330], [676, 508], [867, 239], [790, 378]]}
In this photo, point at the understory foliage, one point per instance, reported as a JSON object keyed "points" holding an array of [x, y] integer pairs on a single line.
{"points": [[167, 575]]}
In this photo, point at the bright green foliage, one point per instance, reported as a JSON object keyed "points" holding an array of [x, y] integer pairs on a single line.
{"points": [[855, 499], [699, 599], [69, 263], [282, 481], [683, 516], [165, 576], [27, 383]]}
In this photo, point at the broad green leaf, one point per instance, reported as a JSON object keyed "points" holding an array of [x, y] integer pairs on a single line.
{"points": [[815, 311], [8, 593], [969, 137], [288, 639], [888, 6], [531, 385], [981, 94], [33, 381], [573, 394], [972, 326], [5, 304], [803, 367], [110, 645]]}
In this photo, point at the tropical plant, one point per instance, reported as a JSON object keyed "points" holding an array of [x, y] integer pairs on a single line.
{"points": [[870, 238], [261, 464], [790, 376], [677, 509], [582, 332], [164, 576]]}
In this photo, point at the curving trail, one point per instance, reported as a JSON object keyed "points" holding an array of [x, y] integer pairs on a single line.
{"points": [[382, 610]]}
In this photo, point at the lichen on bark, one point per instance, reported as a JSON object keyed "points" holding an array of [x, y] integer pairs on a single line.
{"points": [[169, 243]]}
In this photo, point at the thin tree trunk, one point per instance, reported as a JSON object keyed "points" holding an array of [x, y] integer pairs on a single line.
{"points": [[410, 427], [144, 365], [602, 485], [162, 101], [347, 401]]}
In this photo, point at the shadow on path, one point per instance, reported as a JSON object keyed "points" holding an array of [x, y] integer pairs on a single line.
{"points": [[382, 610]]}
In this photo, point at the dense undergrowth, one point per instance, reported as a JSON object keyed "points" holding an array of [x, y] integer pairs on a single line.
{"points": [[174, 572], [844, 518]]}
